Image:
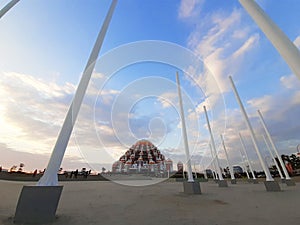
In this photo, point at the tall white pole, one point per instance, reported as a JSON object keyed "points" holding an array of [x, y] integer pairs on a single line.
{"points": [[195, 170], [246, 155], [244, 164], [213, 161], [184, 133], [50, 176], [247, 172], [227, 158], [213, 145], [204, 172], [265, 168], [7, 7], [280, 41], [273, 158], [287, 176]]}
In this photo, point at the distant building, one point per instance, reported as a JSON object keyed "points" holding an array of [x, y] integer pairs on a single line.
{"points": [[238, 169], [209, 173], [143, 157], [179, 166]]}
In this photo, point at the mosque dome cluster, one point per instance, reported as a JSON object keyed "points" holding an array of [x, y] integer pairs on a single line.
{"points": [[143, 157]]}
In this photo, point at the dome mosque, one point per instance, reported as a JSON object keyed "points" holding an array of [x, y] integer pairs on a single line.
{"points": [[143, 157]]}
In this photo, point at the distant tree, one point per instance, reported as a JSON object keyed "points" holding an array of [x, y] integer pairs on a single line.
{"points": [[21, 167], [295, 161], [103, 170]]}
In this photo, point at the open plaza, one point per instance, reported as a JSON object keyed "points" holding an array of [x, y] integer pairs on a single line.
{"points": [[105, 202]]}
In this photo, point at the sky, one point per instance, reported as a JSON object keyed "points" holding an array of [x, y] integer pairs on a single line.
{"points": [[44, 46]]}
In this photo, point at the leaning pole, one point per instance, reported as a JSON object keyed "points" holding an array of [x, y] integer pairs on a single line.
{"points": [[247, 158], [50, 176], [273, 158], [280, 41], [38, 204], [244, 164], [7, 7], [190, 187], [270, 183], [288, 179], [213, 164], [233, 180], [222, 182]]}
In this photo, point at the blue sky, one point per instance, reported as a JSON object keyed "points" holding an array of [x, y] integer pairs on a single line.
{"points": [[44, 46]]}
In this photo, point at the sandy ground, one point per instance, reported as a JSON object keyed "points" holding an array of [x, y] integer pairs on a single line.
{"points": [[109, 203]]}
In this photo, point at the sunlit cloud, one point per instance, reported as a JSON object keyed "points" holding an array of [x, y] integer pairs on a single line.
{"points": [[189, 8]]}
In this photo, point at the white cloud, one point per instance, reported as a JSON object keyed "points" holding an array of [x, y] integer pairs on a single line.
{"points": [[290, 82], [167, 99], [188, 8], [222, 40], [249, 44]]}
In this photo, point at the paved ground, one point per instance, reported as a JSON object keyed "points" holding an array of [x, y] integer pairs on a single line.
{"points": [[164, 203]]}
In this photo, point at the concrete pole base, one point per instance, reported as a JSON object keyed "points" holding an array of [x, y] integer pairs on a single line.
{"points": [[283, 180], [254, 181], [191, 187], [37, 204], [223, 183], [290, 182], [216, 180], [233, 181], [272, 186]]}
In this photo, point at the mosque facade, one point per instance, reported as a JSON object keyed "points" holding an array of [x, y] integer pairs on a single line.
{"points": [[143, 157]]}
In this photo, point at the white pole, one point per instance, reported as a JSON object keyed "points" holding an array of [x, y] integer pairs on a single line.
{"points": [[205, 175], [213, 145], [184, 133], [247, 173], [280, 41], [244, 164], [213, 161], [195, 171], [246, 155], [7, 7], [265, 168], [287, 176], [50, 176], [272, 155], [227, 158]]}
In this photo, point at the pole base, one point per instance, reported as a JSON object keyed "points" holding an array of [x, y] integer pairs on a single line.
{"points": [[233, 181], [290, 182], [191, 187], [216, 180], [272, 186], [254, 181], [37, 204], [283, 180], [223, 183]]}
